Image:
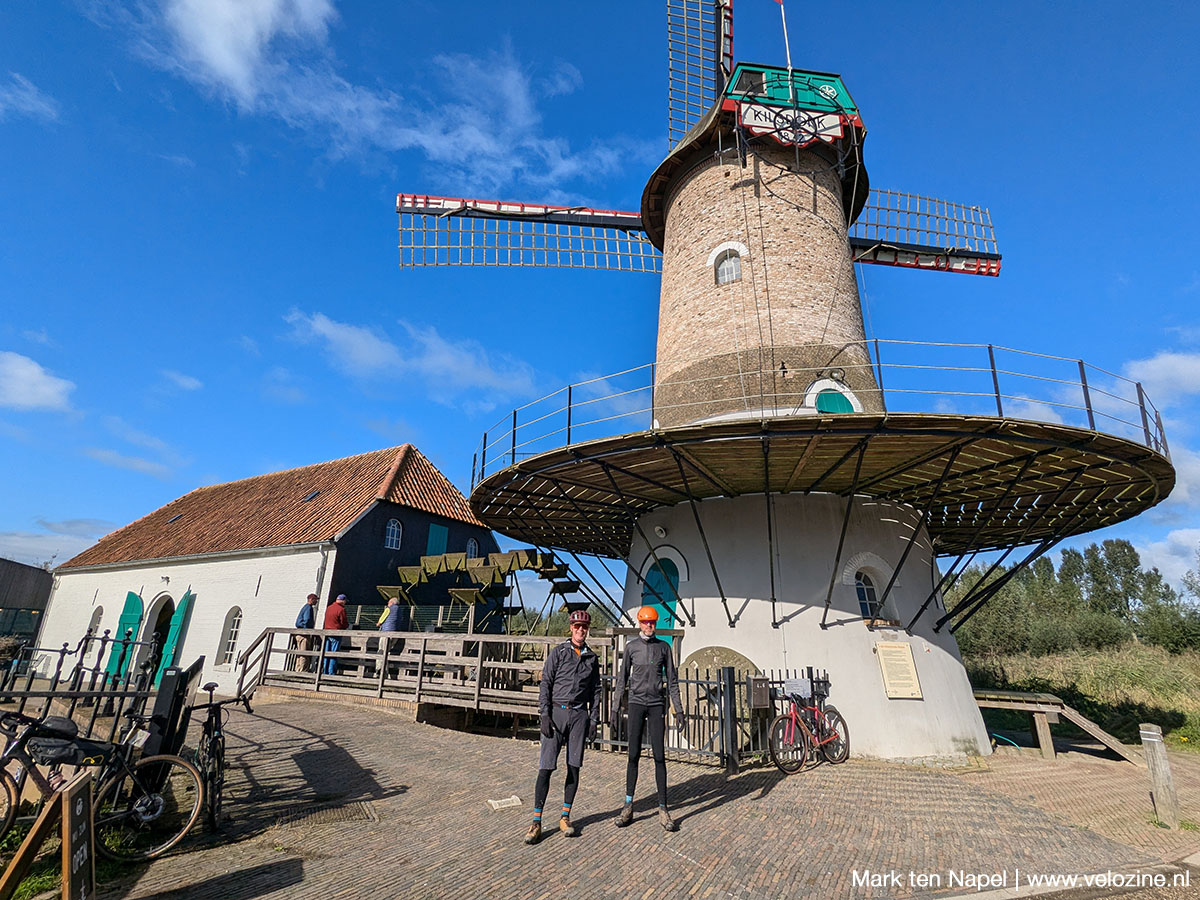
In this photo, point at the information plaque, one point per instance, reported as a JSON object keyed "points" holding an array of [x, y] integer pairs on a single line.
{"points": [[899, 670]]}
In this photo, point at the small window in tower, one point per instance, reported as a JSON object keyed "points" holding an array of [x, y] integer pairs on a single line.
{"points": [[749, 82], [868, 602], [728, 267], [391, 540], [472, 548]]}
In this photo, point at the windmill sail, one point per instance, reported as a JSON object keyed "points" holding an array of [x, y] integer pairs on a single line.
{"points": [[899, 229], [456, 231], [699, 59]]}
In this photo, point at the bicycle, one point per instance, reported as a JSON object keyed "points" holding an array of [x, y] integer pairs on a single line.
{"points": [[210, 752], [141, 809], [805, 727]]}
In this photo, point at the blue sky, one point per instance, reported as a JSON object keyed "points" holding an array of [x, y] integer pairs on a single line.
{"points": [[198, 271]]}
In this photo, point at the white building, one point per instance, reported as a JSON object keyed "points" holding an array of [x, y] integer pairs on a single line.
{"points": [[211, 570]]}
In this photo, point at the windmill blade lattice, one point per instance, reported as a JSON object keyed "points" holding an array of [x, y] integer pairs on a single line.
{"points": [[901, 229], [455, 231], [699, 58]]}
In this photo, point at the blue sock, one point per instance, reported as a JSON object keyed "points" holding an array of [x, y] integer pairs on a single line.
{"points": [[537, 815], [628, 798], [566, 810]]}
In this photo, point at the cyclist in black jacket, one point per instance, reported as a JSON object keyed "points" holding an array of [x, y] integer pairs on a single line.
{"points": [[569, 700], [648, 673]]}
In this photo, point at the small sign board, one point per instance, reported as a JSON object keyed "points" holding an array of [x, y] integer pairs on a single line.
{"points": [[78, 840], [899, 670]]}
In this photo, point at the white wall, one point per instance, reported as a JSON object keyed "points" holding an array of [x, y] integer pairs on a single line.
{"points": [[269, 587], [945, 723]]}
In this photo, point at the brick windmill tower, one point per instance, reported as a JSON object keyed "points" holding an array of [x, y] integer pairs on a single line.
{"points": [[780, 488]]}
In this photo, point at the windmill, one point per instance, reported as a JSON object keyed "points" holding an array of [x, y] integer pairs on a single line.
{"points": [[777, 500]]}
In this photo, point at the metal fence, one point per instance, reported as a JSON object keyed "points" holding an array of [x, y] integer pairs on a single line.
{"points": [[913, 377]]}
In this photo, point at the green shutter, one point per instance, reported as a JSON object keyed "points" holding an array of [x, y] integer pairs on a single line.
{"points": [[438, 534], [174, 633], [660, 590], [131, 620]]}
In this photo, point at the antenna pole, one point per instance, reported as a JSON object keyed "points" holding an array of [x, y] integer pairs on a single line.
{"points": [[787, 50]]}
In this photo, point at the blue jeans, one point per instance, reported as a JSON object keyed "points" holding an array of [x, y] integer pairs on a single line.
{"points": [[332, 645]]}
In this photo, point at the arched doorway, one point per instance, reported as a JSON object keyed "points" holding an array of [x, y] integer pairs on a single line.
{"points": [[660, 590], [158, 621]]}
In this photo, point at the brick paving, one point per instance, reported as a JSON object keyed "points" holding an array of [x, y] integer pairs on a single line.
{"points": [[329, 801]]}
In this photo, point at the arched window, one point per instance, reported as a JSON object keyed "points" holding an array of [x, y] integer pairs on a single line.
{"points": [[472, 548], [97, 615], [391, 539], [868, 601], [831, 401], [728, 267], [229, 636]]}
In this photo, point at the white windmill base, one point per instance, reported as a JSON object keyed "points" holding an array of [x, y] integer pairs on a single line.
{"points": [[943, 723]]}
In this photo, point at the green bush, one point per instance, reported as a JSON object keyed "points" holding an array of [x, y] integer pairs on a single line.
{"points": [[1098, 630], [1048, 636]]}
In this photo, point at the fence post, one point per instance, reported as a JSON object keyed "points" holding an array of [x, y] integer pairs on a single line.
{"points": [[1145, 421], [1162, 435], [1087, 396], [514, 438], [568, 415], [879, 376], [474, 460], [1162, 786], [995, 380], [729, 720]]}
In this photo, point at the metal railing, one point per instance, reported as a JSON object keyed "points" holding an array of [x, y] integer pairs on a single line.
{"points": [[981, 380]]}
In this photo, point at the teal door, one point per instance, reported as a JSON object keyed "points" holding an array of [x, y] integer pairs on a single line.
{"points": [[660, 591], [436, 546], [174, 634], [131, 620], [831, 401]]}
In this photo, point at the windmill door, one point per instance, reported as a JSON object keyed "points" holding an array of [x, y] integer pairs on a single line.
{"points": [[174, 635], [660, 590], [130, 621]]}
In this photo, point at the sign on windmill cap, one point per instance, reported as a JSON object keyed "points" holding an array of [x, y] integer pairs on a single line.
{"points": [[818, 91]]}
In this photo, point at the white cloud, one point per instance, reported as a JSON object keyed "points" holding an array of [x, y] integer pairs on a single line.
{"points": [[21, 97], [181, 381], [83, 528], [450, 368], [24, 384], [1168, 376], [352, 349], [272, 57], [132, 463], [35, 548], [1174, 555], [41, 336]]}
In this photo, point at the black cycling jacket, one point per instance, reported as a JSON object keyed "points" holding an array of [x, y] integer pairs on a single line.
{"points": [[648, 672]]}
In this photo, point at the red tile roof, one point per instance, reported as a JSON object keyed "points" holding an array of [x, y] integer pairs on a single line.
{"points": [[271, 510]]}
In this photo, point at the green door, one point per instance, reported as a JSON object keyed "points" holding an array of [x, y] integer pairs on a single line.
{"points": [[131, 620], [436, 545], [660, 591], [174, 634]]}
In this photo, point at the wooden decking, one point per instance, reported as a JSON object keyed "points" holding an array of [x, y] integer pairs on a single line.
{"points": [[1044, 710]]}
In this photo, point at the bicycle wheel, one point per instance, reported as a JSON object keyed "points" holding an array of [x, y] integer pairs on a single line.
{"points": [[788, 742], [9, 801], [143, 812], [835, 736], [214, 782]]}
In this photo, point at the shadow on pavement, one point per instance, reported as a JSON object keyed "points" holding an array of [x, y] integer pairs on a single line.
{"points": [[241, 885]]}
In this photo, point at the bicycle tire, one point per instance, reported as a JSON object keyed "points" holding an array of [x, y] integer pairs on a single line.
{"points": [[142, 813], [215, 782], [789, 755], [837, 749], [10, 799]]}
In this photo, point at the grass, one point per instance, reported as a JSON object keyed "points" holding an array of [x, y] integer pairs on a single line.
{"points": [[46, 872], [1118, 689]]}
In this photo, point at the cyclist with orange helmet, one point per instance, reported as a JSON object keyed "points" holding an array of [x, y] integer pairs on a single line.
{"points": [[648, 673], [569, 701]]}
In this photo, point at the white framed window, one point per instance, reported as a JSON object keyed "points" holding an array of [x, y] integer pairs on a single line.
{"points": [[391, 539], [728, 268], [472, 548], [868, 600], [229, 635]]}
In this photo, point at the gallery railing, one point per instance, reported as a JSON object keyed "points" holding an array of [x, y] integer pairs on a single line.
{"points": [[912, 377]]}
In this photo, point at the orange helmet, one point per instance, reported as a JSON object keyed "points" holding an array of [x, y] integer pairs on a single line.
{"points": [[647, 614]]}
